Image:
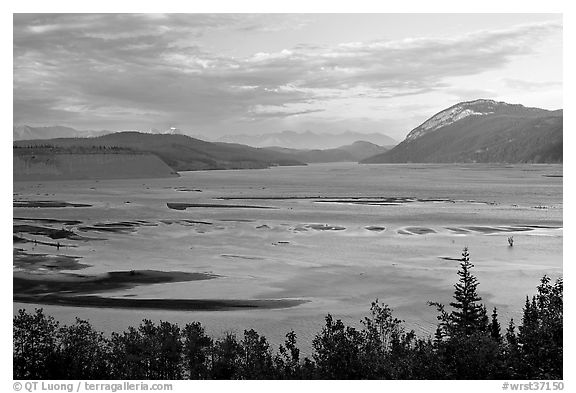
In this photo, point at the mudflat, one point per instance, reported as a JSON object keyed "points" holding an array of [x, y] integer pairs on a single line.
{"points": [[330, 239]]}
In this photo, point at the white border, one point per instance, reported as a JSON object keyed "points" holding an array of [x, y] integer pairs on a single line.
{"points": [[295, 6]]}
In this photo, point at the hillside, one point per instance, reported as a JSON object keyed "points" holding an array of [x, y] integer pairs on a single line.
{"points": [[46, 165], [180, 152], [482, 131]]}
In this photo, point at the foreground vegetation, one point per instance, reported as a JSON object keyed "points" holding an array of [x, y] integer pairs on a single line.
{"points": [[468, 344]]}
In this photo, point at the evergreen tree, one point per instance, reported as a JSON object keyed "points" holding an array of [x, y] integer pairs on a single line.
{"points": [[512, 350], [495, 326], [469, 315], [540, 337], [483, 322], [438, 336]]}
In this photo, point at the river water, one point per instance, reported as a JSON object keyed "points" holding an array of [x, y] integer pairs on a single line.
{"points": [[335, 235]]}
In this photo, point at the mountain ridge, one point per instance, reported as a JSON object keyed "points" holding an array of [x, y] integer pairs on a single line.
{"points": [[482, 131], [353, 152], [25, 132], [180, 152], [481, 107], [308, 139]]}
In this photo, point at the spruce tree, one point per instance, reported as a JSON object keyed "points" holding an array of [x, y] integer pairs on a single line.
{"points": [[540, 336], [468, 315], [495, 326], [483, 322]]}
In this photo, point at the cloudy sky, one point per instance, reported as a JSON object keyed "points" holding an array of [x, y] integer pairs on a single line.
{"points": [[218, 74]]}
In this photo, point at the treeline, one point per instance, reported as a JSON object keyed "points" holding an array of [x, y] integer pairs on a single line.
{"points": [[48, 148], [468, 344]]}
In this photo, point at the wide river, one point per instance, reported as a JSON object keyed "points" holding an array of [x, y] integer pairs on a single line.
{"points": [[335, 235]]}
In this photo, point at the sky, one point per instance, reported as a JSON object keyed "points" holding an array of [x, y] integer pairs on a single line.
{"points": [[221, 74]]}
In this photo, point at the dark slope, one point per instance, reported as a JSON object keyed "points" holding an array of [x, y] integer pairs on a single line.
{"points": [[482, 131], [88, 166], [180, 152]]}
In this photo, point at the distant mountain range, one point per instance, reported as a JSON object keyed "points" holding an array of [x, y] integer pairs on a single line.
{"points": [[180, 152], [353, 152], [20, 133], [287, 139], [482, 131], [473, 131], [308, 140]]}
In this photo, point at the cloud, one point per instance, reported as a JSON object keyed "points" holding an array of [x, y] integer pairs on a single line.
{"points": [[524, 85], [404, 64], [157, 68], [260, 111], [462, 94], [270, 23]]}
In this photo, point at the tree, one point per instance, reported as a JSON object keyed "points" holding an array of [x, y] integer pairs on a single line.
{"points": [[337, 351], [149, 352], [511, 338], [540, 336], [256, 360], [127, 359], [495, 326], [463, 340], [35, 346], [469, 315], [287, 360], [82, 352], [226, 356], [196, 350], [169, 351], [386, 347]]}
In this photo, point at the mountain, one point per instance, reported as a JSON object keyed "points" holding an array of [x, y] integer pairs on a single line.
{"points": [[26, 132], [354, 152], [308, 140], [180, 152], [482, 131], [363, 149]]}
